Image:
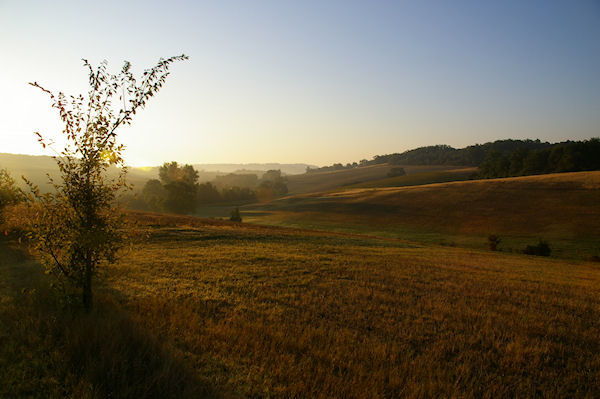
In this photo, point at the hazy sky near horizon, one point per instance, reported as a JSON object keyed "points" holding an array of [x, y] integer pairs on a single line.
{"points": [[311, 81]]}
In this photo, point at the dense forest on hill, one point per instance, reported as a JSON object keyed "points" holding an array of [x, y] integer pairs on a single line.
{"points": [[500, 158], [572, 156], [472, 155]]}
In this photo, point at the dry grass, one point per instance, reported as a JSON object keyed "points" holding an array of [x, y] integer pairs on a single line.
{"points": [[286, 314], [421, 178], [322, 181], [51, 351], [563, 208], [254, 311]]}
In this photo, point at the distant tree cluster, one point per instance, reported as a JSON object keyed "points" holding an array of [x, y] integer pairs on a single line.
{"points": [[498, 153], [272, 185], [562, 157], [336, 166], [177, 190]]}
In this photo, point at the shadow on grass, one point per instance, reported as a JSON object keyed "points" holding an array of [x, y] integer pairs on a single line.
{"points": [[49, 351]]}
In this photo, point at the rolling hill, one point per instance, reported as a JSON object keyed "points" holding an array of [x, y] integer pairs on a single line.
{"points": [[329, 180], [35, 168], [560, 207]]}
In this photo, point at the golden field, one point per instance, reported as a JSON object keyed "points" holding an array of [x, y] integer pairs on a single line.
{"points": [[561, 208], [203, 308], [331, 180]]}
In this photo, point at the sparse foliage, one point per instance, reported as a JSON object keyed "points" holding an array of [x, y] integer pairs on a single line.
{"points": [[78, 227]]}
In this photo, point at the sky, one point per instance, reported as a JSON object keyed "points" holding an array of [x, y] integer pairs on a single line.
{"points": [[307, 81]]}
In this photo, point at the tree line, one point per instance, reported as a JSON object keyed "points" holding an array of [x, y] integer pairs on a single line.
{"points": [[177, 189], [578, 155], [571, 156]]}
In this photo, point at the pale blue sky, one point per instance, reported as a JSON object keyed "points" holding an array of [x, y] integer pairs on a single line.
{"points": [[312, 81]]}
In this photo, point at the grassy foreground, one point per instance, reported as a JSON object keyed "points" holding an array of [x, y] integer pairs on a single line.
{"points": [[216, 309]]}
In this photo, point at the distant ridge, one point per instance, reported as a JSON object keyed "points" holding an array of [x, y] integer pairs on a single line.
{"points": [[35, 167], [286, 168]]}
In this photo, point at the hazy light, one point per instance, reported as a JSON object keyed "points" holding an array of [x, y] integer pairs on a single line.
{"points": [[314, 82]]}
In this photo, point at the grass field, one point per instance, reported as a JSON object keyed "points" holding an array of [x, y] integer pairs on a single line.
{"points": [[323, 181], [560, 208], [419, 178], [203, 308]]}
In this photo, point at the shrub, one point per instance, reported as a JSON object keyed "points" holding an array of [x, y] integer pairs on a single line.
{"points": [[9, 193], [541, 249], [396, 172], [493, 242], [235, 215]]}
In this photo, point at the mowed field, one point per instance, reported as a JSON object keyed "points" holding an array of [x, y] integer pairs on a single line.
{"points": [[203, 308], [560, 208]]}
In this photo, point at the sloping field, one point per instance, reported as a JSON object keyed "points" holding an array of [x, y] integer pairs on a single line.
{"points": [[323, 181], [561, 206], [214, 309], [420, 178]]}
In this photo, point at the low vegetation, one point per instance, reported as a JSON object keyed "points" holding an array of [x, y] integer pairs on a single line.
{"points": [[9, 192], [542, 248], [212, 308], [559, 208]]}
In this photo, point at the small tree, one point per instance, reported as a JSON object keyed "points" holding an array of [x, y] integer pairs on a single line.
{"points": [[494, 242], [78, 226], [235, 215]]}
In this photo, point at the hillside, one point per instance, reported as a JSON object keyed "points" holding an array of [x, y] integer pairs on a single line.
{"points": [[286, 168], [420, 178], [560, 207], [323, 181], [207, 308], [35, 167]]}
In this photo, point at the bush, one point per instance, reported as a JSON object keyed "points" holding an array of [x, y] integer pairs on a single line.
{"points": [[541, 249], [493, 242], [394, 172], [235, 215]]}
